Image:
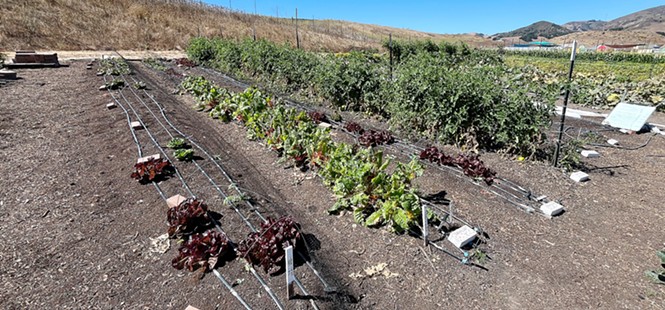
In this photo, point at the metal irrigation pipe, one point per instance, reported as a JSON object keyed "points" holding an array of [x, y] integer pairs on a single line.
{"points": [[309, 264], [163, 196], [263, 283]]}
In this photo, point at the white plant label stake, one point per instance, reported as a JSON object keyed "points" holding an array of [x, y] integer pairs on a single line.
{"points": [[425, 225], [290, 277]]}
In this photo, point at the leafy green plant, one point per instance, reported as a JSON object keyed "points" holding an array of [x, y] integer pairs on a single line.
{"points": [[358, 177], [658, 276], [448, 92], [184, 154], [139, 85], [116, 83], [113, 66], [177, 143], [234, 199], [155, 64]]}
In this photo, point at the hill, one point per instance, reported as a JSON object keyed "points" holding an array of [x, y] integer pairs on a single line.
{"points": [[587, 25], [169, 24], [596, 37], [539, 29], [652, 19]]}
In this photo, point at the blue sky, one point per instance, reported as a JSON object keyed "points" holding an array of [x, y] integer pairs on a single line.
{"points": [[484, 16]]}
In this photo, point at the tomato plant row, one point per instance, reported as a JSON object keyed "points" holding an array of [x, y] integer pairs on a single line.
{"points": [[450, 93]]}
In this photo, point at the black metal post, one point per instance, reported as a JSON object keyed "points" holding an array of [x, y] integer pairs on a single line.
{"points": [[565, 104], [297, 37], [390, 50]]}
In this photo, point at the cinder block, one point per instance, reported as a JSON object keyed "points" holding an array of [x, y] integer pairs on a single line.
{"points": [[462, 236], [612, 142], [136, 125], [590, 154], [103, 87], [551, 208], [579, 176], [7, 75], [324, 125], [147, 158], [110, 105], [175, 201]]}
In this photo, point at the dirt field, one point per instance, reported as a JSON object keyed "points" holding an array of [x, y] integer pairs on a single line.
{"points": [[78, 229]]}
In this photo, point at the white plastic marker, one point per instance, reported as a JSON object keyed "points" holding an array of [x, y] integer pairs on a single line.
{"points": [[425, 225], [290, 277]]}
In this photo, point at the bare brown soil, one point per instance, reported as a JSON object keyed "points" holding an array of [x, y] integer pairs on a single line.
{"points": [[77, 228]]}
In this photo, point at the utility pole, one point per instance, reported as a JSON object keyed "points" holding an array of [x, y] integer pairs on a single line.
{"points": [[297, 37], [254, 22]]}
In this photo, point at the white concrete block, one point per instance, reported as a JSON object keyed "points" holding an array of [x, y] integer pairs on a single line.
{"points": [[590, 154], [191, 308], [551, 208], [147, 158], [110, 105], [136, 125], [612, 142], [462, 236], [103, 87], [324, 125], [540, 198], [579, 176], [175, 201]]}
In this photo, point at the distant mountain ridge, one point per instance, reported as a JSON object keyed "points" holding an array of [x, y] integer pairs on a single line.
{"points": [[644, 22], [539, 29], [587, 25]]}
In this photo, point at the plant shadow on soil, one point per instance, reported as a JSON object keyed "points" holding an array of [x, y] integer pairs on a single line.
{"points": [[609, 170]]}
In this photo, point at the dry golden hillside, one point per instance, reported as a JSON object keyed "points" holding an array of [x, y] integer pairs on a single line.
{"points": [[593, 38], [169, 24]]}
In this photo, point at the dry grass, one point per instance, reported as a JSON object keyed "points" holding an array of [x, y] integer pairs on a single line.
{"points": [[593, 38], [169, 24]]}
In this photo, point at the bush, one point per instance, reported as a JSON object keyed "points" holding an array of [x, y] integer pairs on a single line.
{"points": [[351, 81], [201, 49], [467, 105], [445, 91]]}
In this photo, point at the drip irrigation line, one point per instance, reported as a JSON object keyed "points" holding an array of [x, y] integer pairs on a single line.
{"points": [[136, 140], [291, 103], [231, 289], [625, 147], [163, 196], [263, 283], [256, 275], [310, 265], [233, 184], [161, 150], [212, 182]]}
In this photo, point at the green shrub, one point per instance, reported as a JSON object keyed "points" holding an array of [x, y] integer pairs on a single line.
{"points": [[351, 81], [201, 49]]}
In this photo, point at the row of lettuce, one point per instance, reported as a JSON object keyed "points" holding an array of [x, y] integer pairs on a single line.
{"points": [[359, 177], [444, 92]]}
